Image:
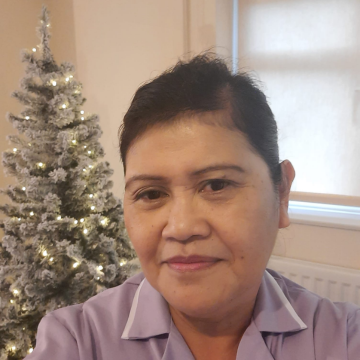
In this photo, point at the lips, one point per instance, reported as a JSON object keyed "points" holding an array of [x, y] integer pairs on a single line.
{"points": [[191, 263]]}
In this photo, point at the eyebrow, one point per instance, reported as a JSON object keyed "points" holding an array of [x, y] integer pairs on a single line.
{"points": [[196, 173]]}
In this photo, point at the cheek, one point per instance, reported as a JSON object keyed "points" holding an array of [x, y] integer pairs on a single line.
{"points": [[142, 233]]}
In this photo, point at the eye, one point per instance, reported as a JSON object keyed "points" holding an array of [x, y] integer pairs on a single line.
{"points": [[149, 195], [217, 184]]}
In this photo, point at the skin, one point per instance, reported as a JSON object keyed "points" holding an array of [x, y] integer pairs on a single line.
{"points": [[235, 219]]}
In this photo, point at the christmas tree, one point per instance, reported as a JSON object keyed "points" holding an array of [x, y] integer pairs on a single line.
{"points": [[64, 237]]}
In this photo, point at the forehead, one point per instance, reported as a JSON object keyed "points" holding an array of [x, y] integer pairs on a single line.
{"points": [[188, 144]]}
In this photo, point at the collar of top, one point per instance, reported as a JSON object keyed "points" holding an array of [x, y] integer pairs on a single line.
{"points": [[150, 316]]}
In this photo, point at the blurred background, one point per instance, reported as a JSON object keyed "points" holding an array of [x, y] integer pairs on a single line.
{"points": [[305, 53]]}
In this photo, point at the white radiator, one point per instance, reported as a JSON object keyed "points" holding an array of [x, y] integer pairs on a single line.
{"points": [[333, 282]]}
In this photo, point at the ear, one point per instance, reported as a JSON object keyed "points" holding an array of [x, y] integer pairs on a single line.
{"points": [[288, 175]]}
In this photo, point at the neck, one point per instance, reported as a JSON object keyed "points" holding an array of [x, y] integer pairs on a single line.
{"points": [[217, 335]]}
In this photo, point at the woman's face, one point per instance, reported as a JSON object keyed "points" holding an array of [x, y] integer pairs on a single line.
{"points": [[196, 189]]}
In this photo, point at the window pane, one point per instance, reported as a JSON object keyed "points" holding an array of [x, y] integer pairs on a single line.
{"points": [[307, 55]]}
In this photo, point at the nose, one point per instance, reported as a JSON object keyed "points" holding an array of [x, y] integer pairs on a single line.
{"points": [[186, 221]]}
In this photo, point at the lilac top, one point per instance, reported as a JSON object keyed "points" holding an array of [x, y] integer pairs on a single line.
{"points": [[132, 321]]}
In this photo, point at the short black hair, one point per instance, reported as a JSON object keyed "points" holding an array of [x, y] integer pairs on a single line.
{"points": [[205, 84]]}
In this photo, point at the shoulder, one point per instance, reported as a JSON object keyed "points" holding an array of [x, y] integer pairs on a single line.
{"points": [[100, 310], [308, 303]]}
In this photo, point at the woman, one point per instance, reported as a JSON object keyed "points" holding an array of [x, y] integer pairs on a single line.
{"points": [[204, 198]]}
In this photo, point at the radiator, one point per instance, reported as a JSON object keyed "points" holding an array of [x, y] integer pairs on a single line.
{"points": [[333, 282]]}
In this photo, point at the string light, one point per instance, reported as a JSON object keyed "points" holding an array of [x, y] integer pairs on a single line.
{"points": [[59, 217], [75, 265], [29, 144], [89, 151], [85, 231], [13, 348], [85, 146], [103, 222], [82, 112], [19, 219], [31, 213], [47, 25], [73, 141], [71, 76], [93, 207], [84, 169], [44, 253], [81, 220], [67, 79], [90, 166], [53, 83], [51, 259], [97, 278], [23, 328], [34, 49], [82, 118], [122, 263], [14, 150], [27, 117], [63, 106], [91, 196], [23, 188], [15, 291], [100, 267], [75, 222], [30, 350], [40, 164], [11, 301]]}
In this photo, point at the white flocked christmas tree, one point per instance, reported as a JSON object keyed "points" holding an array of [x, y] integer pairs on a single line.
{"points": [[64, 237]]}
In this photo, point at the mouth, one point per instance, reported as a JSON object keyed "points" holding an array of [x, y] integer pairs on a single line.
{"points": [[193, 262]]}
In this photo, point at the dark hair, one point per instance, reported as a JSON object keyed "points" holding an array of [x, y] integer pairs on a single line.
{"points": [[201, 85]]}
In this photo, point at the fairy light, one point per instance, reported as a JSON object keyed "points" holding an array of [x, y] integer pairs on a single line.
{"points": [[59, 217], [44, 253], [81, 220], [34, 49], [82, 118], [73, 141], [51, 259], [75, 222], [23, 188], [27, 117], [100, 267], [103, 222], [14, 150], [30, 350], [82, 112], [89, 151], [11, 301], [85, 231], [75, 265], [98, 278], [29, 144], [31, 213], [47, 25], [90, 166], [53, 83], [91, 196], [67, 79], [63, 106], [13, 348], [85, 146], [71, 76], [84, 169], [40, 164], [16, 291], [93, 207], [19, 219]]}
